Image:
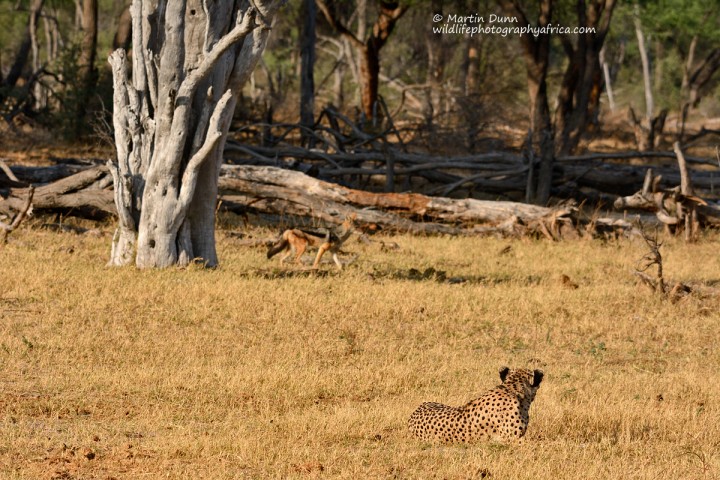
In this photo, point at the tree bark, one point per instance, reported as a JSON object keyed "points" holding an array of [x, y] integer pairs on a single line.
{"points": [[190, 60], [578, 100], [307, 64], [24, 50], [123, 34], [645, 61], [368, 49], [537, 57], [86, 61]]}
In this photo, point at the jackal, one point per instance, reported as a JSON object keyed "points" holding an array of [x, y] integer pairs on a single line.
{"points": [[296, 241]]}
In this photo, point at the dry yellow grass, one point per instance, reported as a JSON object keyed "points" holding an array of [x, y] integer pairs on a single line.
{"points": [[116, 373]]}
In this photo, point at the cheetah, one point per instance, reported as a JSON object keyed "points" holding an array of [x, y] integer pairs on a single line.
{"points": [[501, 414]]}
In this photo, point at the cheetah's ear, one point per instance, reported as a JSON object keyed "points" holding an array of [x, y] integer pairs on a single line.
{"points": [[504, 373], [537, 378]]}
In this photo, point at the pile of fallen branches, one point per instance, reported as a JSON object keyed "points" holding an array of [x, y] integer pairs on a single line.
{"points": [[678, 207], [338, 150], [286, 193], [348, 155]]}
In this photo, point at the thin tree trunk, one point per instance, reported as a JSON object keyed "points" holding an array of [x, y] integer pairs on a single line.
{"points": [[608, 80], [307, 64], [472, 66], [338, 90], [685, 87], [369, 79], [86, 61], [541, 126], [469, 83], [123, 34], [537, 58], [433, 76], [25, 46], [368, 50], [647, 79]]}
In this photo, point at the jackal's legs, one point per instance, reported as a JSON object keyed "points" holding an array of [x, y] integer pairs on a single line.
{"points": [[321, 251]]}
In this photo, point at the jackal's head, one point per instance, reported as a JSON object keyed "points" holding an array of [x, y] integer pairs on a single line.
{"points": [[349, 222], [346, 228]]}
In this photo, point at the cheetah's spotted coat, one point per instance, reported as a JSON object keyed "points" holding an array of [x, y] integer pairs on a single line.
{"points": [[499, 414]]}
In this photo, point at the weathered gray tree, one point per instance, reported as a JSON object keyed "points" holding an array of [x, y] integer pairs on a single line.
{"points": [[190, 59]]}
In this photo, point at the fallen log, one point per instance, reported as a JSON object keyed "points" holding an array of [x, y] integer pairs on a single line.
{"points": [[283, 192], [277, 191], [668, 203], [85, 192], [47, 174]]}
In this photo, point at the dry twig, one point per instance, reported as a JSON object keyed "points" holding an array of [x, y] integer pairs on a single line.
{"points": [[653, 257], [6, 229]]}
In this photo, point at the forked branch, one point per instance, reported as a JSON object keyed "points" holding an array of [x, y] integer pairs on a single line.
{"points": [[218, 119], [6, 229], [653, 257]]}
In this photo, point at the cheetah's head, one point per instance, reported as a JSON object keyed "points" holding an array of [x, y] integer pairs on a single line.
{"points": [[522, 380]]}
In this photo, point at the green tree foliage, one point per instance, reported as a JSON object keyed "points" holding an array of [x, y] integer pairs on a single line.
{"points": [[476, 81]]}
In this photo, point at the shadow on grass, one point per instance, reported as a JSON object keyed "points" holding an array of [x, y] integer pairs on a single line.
{"points": [[440, 276], [276, 273], [412, 274]]}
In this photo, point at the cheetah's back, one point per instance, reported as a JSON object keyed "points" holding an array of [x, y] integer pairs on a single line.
{"points": [[434, 421]]}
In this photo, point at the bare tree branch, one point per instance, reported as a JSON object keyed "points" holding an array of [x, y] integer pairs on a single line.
{"points": [[6, 229]]}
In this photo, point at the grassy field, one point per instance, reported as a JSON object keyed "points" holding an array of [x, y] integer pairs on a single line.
{"points": [[241, 373]]}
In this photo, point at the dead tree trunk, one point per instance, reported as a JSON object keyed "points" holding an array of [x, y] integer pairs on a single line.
{"points": [[689, 212], [190, 59], [285, 192]]}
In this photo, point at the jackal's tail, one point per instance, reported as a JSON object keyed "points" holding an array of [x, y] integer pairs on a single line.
{"points": [[281, 245]]}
